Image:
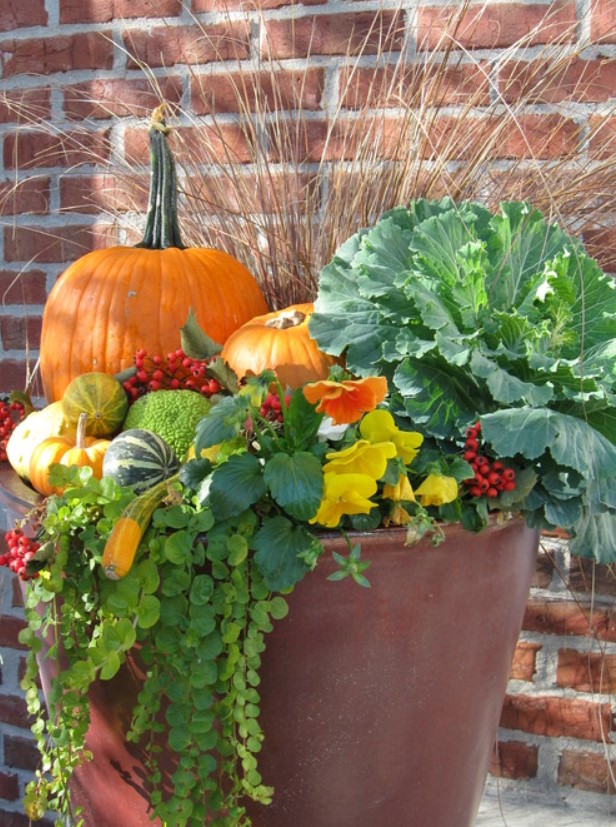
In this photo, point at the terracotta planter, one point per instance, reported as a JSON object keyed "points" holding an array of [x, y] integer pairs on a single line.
{"points": [[379, 706]]}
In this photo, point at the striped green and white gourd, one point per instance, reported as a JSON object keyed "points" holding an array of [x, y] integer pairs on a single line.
{"points": [[139, 459]]}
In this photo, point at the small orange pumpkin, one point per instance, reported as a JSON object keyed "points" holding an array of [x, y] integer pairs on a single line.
{"points": [[280, 342], [80, 450]]}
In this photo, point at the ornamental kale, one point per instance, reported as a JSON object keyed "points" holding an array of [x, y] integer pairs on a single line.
{"points": [[502, 318]]}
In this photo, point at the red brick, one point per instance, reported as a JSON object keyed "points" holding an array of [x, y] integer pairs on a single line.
{"points": [[584, 81], [602, 137], [334, 34], [26, 287], [20, 753], [15, 819], [118, 98], [47, 55], [103, 193], [13, 376], [162, 46], [587, 771], [17, 333], [586, 671], [10, 627], [601, 245], [25, 105], [603, 21], [588, 576], [228, 5], [567, 617], [226, 142], [556, 717], [495, 25], [33, 148], [252, 195], [514, 759], [30, 195], [258, 92], [541, 136], [524, 661], [15, 14], [53, 244], [434, 85], [9, 786], [104, 11], [13, 711]]}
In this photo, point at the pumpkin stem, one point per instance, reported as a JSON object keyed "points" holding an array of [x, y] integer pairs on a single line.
{"points": [[80, 434], [286, 319], [161, 227]]}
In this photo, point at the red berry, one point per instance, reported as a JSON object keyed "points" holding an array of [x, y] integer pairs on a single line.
{"points": [[492, 492]]}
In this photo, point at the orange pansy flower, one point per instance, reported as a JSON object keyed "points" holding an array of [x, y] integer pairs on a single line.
{"points": [[346, 402]]}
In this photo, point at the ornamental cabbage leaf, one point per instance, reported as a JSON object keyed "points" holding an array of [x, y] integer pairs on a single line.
{"points": [[501, 317]]}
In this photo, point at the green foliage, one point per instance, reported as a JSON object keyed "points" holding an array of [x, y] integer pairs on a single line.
{"points": [[502, 318]]}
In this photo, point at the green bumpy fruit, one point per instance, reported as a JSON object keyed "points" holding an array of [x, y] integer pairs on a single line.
{"points": [[173, 415]]}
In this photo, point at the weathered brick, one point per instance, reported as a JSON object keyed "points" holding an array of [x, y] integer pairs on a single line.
{"points": [[29, 195], [233, 5], [15, 14], [588, 576], [586, 671], [30, 148], [438, 86], [495, 25], [9, 786], [258, 92], [601, 244], [587, 771], [603, 21], [568, 617], [103, 193], [54, 244], [540, 136], [334, 34], [63, 53], [117, 97], [20, 752], [13, 711], [602, 137], [25, 105], [26, 287], [524, 661], [583, 81], [556, 717], [514, 759], [17, 332], [252, 194], [188, 44], [104, 11], [10, 627], [14, 374]]}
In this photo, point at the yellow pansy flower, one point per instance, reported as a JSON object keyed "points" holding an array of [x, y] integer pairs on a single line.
{"points": [[401, 491], [362, 457], [344, 494], [379, 426], [437, 489]]}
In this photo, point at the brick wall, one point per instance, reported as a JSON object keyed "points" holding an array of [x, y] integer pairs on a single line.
{"points": [[76, 65]]}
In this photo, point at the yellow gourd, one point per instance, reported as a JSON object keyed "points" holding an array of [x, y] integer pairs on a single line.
{"points": [[36, 427]]}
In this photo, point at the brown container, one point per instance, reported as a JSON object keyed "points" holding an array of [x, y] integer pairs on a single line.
{"points": [[379, 706]]}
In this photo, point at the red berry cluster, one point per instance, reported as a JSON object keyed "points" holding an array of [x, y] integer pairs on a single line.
{"points": [[21, 550], [11, 414], [271, 407], [176, 371], [490, 477]]}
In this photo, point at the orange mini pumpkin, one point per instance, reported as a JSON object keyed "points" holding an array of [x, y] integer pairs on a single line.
{"points": [[111, 302], [280, 342], [78, 450]]}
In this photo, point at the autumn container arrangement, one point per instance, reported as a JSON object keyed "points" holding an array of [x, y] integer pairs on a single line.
{"points": [[256, 536]]}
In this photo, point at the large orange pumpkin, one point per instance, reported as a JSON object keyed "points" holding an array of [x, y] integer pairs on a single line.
{"points": [[111, 302], [280, 342]]}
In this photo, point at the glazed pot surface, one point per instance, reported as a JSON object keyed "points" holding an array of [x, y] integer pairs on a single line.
{"points": [[379, 706]]}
